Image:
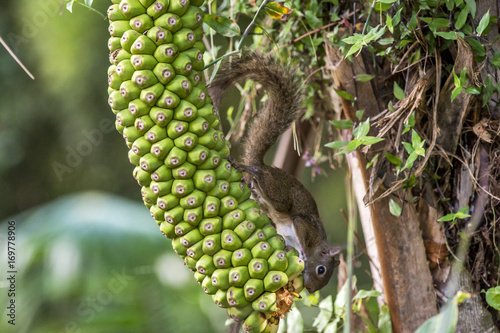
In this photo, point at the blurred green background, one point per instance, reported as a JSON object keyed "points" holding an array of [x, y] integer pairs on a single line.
{"points": [[89, 256]]}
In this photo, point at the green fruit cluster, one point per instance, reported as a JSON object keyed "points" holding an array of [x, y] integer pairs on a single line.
{"points": [[172, 130]]}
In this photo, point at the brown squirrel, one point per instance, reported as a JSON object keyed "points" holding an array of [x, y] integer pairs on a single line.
{"points": [[281, 196]]}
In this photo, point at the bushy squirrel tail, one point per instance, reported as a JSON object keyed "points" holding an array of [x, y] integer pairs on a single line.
{"points": [[279, 111]]}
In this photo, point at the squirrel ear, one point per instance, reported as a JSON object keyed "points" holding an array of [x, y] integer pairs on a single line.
{"points": [[333, 251]]}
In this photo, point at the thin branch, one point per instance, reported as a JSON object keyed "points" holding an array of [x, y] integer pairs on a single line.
{"points": [[16, 58], [250, 26]]}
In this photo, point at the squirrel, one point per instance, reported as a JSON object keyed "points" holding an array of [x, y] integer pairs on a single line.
{"points": [[281, 196]]}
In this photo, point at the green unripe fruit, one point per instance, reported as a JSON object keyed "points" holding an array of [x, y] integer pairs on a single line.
{"points": [[143, 124], [148, 196], [128, 39], [210, 226], [143, 61], [208, 287], [166, 53], [237, 190], [161, 188], [262, 250], [157, 214], [151, 94], [260, 220], [168, 100], [114, 13], [195, 78], [161, 148], [278, 261], [210, 139], [182, 64], [167, 202], [161, 116], [119, 127], [265, 303], [164, 72], [212, 245], [205, 265], [239, 314], [131, 134], [158, 8], [232, 219], [175, 158], [198, 33], [167, 229], [133, 158], [253, 288], [193, 199], [220, 298], [146, 3], [241, 257], [257, 268], [220, 278], [179, 248], [119, 55], [211, 206], [169, 21], [118, 28], [143, 79], [180, 85], [160, 35], [150, 163], [114, 44], [277, 242], [125, 118], [131, 8], [163, 173], [197, 97], [116, 100], [155, 134], [141, 23], [295, 266], [192, 18], [236, 297], [271, 327], [185, 39], [143, 45], [143, 177], [191, 237], [227, 204], [254, 239], [222, 259], [269, 231], [125, 70], [190, 263], [138, 108], [129, 91], [220, 189], [178, 7], [174, 215], [176, 128], [199, 155], [223, 170], [204, 180], [183, 228], [212, 161], [224, 153], [199, 277], [274, 280], [238, 276], [185, 171], [230, 240], [187, 141], [200, 46], [182, 187], [195, 251], [244, 230], [114, 80], [193, 215]]}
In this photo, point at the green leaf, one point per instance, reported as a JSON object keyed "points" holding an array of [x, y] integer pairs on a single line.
{"points": [[436, 23], [384, 320], [375, 158], [387, 1], [359, 114], [463, 76], [222, 25], [362, 129], [393, 159], [294, 321], [397, 17], [370, 140], [353, 145], [278, 11], [398, 92], [410, 123], [447, 218], [496, 59], [344, 95], [408, 147], [472, 90], [476, 46], [388, 22], [394, 208], [471, 4], [69, 5], [461, 214], [364, 77], [456, 92], [343, 123], [455, 78], [336, 144], [449, 35], [325, 313], [493, 297], [416, 141], [366, 293], [484, 23], [462, 17]]}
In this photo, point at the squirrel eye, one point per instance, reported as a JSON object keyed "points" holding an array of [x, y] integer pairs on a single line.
{"points": [[320, 270]]}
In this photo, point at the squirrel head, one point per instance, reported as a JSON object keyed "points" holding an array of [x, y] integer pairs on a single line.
{"points": [[319, 267]]}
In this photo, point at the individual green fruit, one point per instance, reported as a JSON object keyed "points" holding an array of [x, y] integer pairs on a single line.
{"points": [[260, 219], [160, 35], [141, 23], [167, 229], [190, 263], [193, 199], [143, 177], [222, 259], [143, 61], [118, 56], [265, 303], [161, 188], [220, 298], [175, 158], [131, 134], [158, 8], [257, 268], [192, 18], [179, 248], [241, 257], [187, 141], [174, 215], [195, 79], [182, 187], [146, 3], [193, 216], [262, 250], [138, 108], [148, 196], [166, 53], [227, 204], [223, 171], [150, 163], [164, 72], [144, 79], [239, 190], [163, 173], [157, 214], [208, 286], [128, 38], [277, 242], [143, 124], [185, 111], [114, 80], [176, 128], [199, 277], [205, 265], [114, 13], [199, 155], [182, 64], [182, 228], [131, 8], [199, 126], [133, 158], [185, 171], [169, 21], [212, 244], [210, 138], [212, 161], [114, 44], [253, 288], [211, 206], [274, 280], [161, 116], [236, 297], [161, 148], [143, 45], [168, 100], [151, 94], [232, 219], [178, 7], [116, 100], [245, 229], [255, 322], [204, 180], [278, 261], [238, 276], [269, 231], [209, 226], [295, 265], [167, 202], [197, 97], [230, 240], [129, 91], [220, 189], [185, 39], [195, 251], [191, 237], [125, 118], [118, 28], [239, 314], [180, 85]]}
